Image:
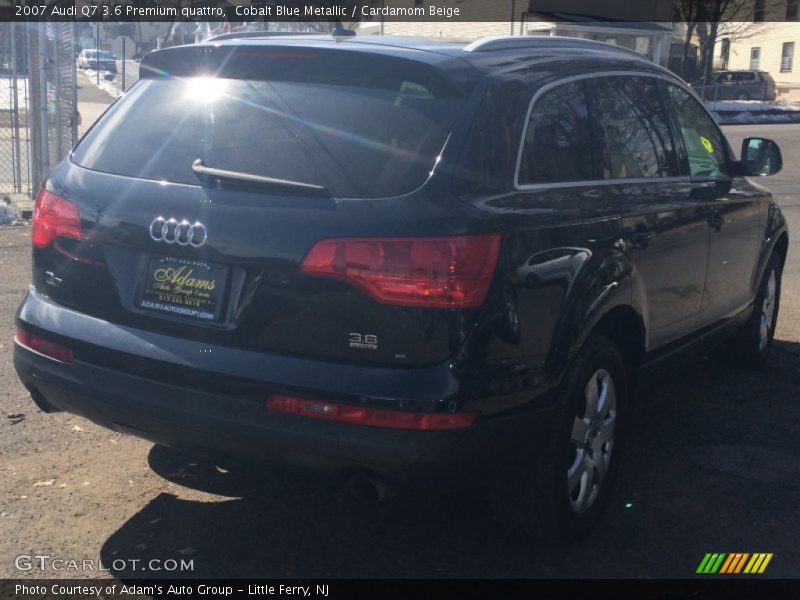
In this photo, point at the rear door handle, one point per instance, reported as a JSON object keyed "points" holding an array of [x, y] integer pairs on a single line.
{"points": [[716, 221]]}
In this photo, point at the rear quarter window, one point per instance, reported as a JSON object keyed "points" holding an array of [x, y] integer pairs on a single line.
{"points": [[558, 143]]}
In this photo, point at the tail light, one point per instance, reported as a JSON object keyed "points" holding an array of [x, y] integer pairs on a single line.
{"points": [[362, 415], [43, 346], [54, 217], [435, 272]]}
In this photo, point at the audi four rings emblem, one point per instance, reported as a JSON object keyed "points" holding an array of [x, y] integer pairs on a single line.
{"points": [[182, 233]]}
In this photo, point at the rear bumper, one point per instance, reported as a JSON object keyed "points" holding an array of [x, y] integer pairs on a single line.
{"points": [[210, 421]]}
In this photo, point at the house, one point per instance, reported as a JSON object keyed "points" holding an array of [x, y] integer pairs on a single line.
{"points": [[764, 45]]}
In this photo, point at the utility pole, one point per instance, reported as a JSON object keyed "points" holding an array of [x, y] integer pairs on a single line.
{"points": [[123, 64], [43, 138]]}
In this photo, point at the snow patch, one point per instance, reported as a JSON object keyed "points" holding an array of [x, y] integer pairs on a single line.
{"points": [[741, 112], [106, 85], [752, 106]]}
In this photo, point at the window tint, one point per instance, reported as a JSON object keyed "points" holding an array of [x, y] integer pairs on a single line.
{"points": [[558, 139], [353, 139], [636, 138], [705, 145]]}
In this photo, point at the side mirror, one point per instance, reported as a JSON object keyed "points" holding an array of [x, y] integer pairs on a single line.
{"points": [[760, 157]]}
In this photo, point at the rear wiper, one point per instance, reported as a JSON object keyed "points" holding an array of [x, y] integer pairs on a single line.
{"points": [[216, 176]]}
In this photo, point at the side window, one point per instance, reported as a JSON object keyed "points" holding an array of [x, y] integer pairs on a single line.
{"points": [[636, 137], [558, 138], [705, 145]]}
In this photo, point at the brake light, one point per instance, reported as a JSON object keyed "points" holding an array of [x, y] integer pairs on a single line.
{"points": [[54, 217], [43, 346], [362, 415], [435, 272]]}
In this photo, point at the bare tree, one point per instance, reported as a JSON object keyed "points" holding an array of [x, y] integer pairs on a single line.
{"points": [[711, 19]]}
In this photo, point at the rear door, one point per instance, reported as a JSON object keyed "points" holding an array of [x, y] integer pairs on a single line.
{"points": [[732, 211], [662, 226], [750, 86], [767, 86]]}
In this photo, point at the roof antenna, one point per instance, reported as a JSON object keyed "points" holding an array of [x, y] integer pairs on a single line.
{"points": [[339, 30]]}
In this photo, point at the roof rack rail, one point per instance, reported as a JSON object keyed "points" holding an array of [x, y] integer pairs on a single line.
{"points": [[238, 35], [494, 43]]}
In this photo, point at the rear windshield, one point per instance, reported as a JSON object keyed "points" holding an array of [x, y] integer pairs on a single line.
{"points": [[355, 139]]}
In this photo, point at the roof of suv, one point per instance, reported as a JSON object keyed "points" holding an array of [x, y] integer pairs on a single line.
{"points": [[483, 54], [464, 61]]}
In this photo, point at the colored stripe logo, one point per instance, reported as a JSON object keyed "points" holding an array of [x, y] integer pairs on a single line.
{"points": [[734, 563]]}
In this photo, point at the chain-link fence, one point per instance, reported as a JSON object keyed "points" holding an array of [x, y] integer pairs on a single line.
{"points": [[722, 92], [38, 102], [14, 113]]}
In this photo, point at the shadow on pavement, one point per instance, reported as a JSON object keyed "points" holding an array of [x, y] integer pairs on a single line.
{"points": [[711, 466]]}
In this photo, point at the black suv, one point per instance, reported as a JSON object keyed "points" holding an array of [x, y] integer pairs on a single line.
{"points": [[397, 261], [739, 85]]}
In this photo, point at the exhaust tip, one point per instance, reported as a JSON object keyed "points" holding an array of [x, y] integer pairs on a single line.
{"points": [[367, 487]]}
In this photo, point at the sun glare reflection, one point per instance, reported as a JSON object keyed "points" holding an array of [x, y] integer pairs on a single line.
{"points": [[204, 89]]}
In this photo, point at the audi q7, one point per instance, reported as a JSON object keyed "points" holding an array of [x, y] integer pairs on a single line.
{"points": [[399, 262]]}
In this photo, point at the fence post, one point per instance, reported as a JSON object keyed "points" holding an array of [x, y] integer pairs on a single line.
{"points": [[15, 137], [43, 138], [74, 68], [59, 118]]}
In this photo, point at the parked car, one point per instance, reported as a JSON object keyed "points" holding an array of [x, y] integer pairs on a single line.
{"points": [[739, 85], [401, 263], [97, 60]]}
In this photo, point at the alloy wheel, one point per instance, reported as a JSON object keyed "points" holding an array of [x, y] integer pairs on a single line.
{"points": [[767, 311], [592, 440]]}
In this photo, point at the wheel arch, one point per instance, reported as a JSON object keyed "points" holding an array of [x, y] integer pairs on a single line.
{"points": [[625, 327], [782, 246]]}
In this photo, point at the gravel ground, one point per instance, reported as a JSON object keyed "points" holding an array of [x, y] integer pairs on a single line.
{"points": [[712, 466]]}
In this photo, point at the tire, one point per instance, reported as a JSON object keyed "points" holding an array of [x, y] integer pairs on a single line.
{"points": [[754, 340], [550, 498]]}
